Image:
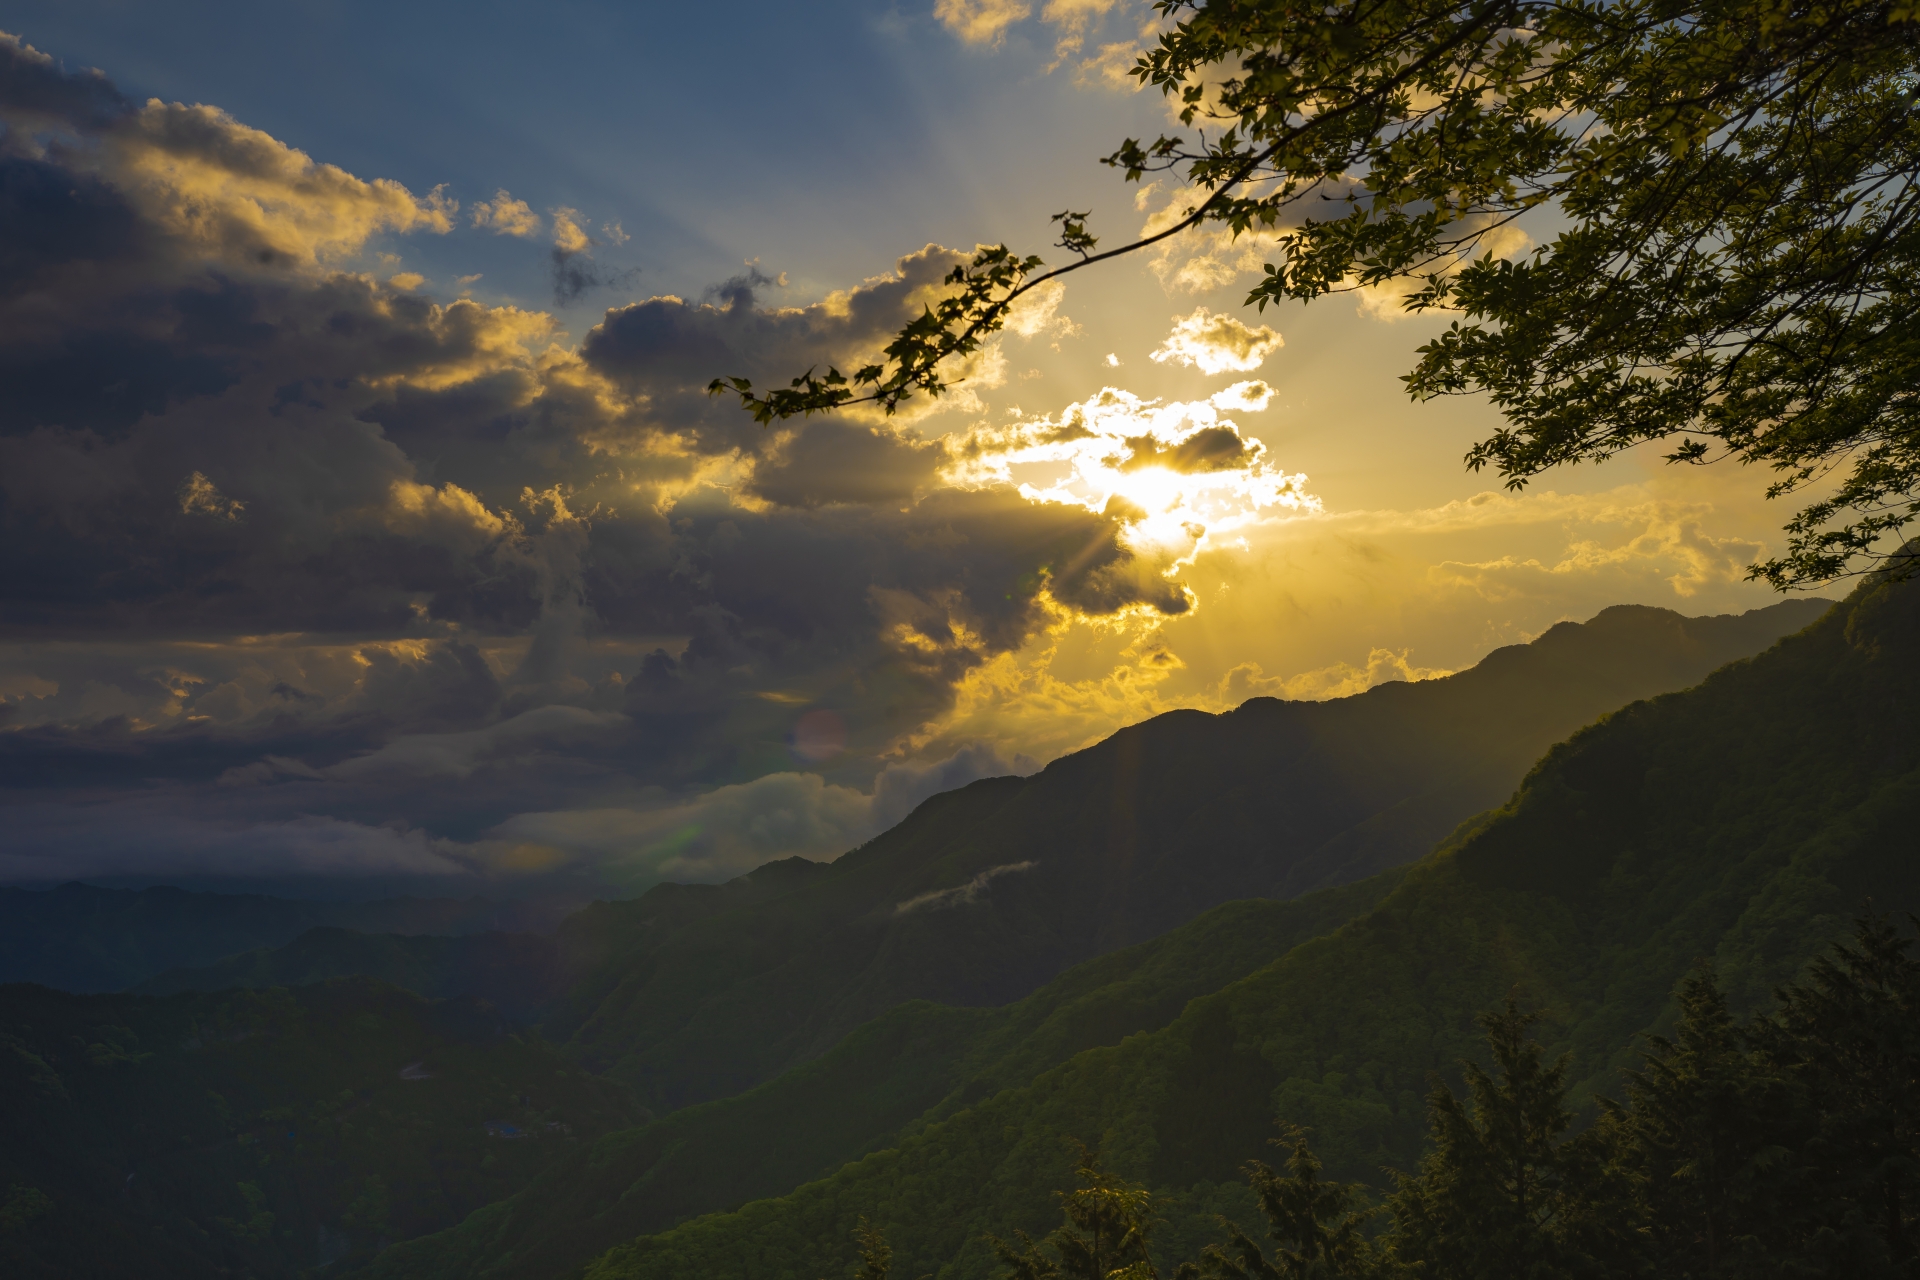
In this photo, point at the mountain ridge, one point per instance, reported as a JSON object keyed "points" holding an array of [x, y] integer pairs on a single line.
{"points": [[1125, 840], [1735, 820]]}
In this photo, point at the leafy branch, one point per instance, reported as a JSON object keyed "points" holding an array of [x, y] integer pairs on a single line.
{"points": [[1738, 183]]}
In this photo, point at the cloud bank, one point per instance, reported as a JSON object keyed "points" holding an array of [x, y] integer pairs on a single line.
{"points": [[287, 535], [311, 570]]}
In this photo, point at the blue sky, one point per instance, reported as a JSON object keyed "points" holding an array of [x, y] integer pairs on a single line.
{"points": [[823, 139]]}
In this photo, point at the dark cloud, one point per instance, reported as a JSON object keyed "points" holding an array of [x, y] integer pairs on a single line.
{"points": [[836, 461], [1220, 448], [299, 558], [35, 92]]}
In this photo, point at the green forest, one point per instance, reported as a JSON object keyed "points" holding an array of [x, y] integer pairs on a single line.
{"points": [[1781, 1145]]}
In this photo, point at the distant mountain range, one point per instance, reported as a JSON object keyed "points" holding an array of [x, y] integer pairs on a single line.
{"points": [[691, 993], [79, 937], [985, 893]]}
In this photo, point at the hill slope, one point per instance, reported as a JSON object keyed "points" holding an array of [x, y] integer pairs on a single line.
{"points": [[523, 975], [912, 1064], [79, 937], [983, 894], [1745, 820], [266, 1133]]}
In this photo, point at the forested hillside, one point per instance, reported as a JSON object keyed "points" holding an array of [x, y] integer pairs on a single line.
{"points": [[266, 1133], [903, 1070], [1745, 820], [523, 975]]}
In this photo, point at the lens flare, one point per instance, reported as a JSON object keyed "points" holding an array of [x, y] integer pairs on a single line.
{"points": [[819, 735]]}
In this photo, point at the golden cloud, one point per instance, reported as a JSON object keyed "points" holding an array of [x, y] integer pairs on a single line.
{"points": [[505, 216], [1178, 474], [199, 496], [231, 189], [1217, 343], [980, 21], [568, 235]]}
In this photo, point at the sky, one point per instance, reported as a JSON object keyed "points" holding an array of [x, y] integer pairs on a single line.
{"points": [[365, 524]]}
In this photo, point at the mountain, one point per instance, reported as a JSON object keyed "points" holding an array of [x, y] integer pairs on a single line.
{"points": [[913, 1064], [188, 1092], [522, 975], [266, 1133], [1744, 820], [697, 992], [983, 894], [79, 937]]}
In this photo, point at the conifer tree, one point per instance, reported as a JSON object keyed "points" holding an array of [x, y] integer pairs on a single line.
{"points": [[1505, 1192], [1107, 1235], [1712, 1134], [876, 1255], [1318, 1227], [1848, 1036]]}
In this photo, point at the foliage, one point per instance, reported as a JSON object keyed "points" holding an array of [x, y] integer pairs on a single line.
{"points": [[1317, 1226], [876, 1258], [80, 937], [1654, 1188], [523, 975], [1504, 1191], [22, 1206], [1732, 183], [1713, 1167], [1106, 1235]]}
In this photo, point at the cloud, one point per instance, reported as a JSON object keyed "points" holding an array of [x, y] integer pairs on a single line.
{"points": [[1111, 65], [34, 90], [51, 844], [267, 769], [963, 894], [508, 743], [1038, 312], [568, 235], [206, 179], [732, 829], [1217, 343], [1176, 474], [304, 559], [505, 216], [198, 494], [1340, 680], [1249, 397], [980, 21], [1675, 539]]}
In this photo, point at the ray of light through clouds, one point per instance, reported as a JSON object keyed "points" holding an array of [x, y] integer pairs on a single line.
{"points": [[368, 530]]}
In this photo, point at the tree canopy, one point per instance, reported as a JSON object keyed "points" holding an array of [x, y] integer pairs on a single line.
{"points": [[1784, 1147], [1723, 190]]}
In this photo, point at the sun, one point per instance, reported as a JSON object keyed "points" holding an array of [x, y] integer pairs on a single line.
{"points": [[1153, 489]]}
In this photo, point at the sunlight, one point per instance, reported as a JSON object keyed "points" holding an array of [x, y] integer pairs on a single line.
{"points": [[1154, 489]]}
